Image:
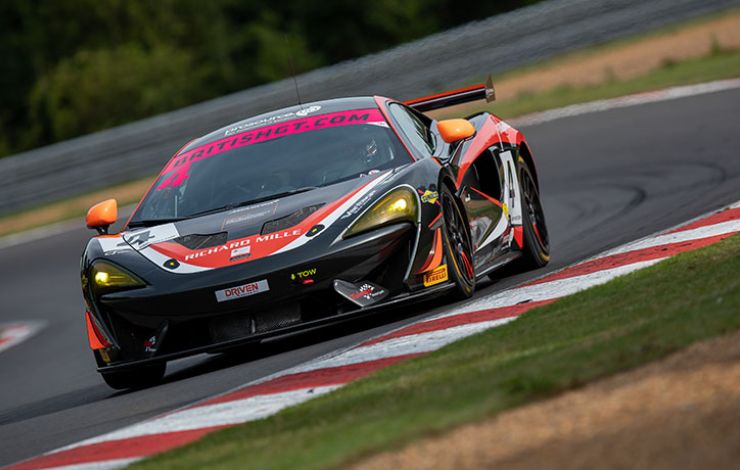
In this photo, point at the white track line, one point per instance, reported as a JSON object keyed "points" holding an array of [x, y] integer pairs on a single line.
{"points": [[219, 414], [12, 334], [682, 236], [412, 344], [626, 101], [102, 465], [546, 290]]}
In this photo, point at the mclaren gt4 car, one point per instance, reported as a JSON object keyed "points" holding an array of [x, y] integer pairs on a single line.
{"points": [[305, 216]]}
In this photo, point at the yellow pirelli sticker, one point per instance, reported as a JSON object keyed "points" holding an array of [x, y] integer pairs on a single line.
{"points": [[435, 276]]}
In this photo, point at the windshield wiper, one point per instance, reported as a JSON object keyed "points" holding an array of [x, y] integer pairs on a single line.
{"points": [[153, 222], [273, 196], [234, 205]]}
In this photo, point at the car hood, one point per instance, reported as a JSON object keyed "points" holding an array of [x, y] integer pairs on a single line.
{"points": [[255, 231]]}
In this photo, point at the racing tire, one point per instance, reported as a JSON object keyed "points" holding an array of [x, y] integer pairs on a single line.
{"points": [[141, 377], [457, 246], [536, 249]]}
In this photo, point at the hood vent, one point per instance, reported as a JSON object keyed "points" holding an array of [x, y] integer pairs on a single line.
{"points": [[198, 242], [289, 220]]}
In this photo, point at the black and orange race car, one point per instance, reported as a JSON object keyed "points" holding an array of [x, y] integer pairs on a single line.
{"points": [[305, 216]]}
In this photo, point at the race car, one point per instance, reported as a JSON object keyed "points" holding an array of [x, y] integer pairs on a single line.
{"points": [[306, 216]]}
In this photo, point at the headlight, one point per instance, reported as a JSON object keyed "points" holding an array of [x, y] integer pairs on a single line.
{"points": [[108, 276], [397, 206]]}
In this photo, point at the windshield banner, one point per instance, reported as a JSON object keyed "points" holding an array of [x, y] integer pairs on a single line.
{"points": [[182, 162]]}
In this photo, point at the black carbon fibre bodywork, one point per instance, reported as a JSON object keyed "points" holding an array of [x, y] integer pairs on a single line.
{"points": [[179, 312]]}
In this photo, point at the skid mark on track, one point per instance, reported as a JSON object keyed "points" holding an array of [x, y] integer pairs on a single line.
{"points": [[322, 375]]}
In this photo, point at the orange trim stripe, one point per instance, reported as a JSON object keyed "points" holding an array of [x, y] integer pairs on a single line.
{"points": [[468, 266], [435, 254], [519, 236], [537, 232], [434, 221], [495, 201], [262, 250], [488, 134], [94, 337]]}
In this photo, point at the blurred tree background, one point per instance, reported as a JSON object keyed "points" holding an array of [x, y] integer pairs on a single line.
{"points": [[70, 67]]}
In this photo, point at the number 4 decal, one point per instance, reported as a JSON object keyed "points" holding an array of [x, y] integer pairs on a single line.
{"points": [[511, 188]]}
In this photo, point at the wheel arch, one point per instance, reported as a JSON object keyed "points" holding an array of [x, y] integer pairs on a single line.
{"points": [[526, 154], [446, 179]]}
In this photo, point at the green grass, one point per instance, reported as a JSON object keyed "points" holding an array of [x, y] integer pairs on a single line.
{"points": [[717, 66], [632, 320]]}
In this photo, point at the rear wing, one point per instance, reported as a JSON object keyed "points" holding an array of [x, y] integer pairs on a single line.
{"points": [[484, 91]]}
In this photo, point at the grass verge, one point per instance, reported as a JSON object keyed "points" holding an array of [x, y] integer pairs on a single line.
{"points": [[625, 323]]}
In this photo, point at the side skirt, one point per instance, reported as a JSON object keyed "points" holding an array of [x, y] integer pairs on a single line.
{"points": [[499, 262]]}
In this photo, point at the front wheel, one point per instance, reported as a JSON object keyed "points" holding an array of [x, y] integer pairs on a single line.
{"points": [[458, 246]]}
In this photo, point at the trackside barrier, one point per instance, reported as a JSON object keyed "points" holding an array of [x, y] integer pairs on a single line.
{"points": [[439, 61]]}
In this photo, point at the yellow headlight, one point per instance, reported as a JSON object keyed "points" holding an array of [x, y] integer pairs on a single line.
{"points": [[397, 206], [106, 275], [102, 278]]}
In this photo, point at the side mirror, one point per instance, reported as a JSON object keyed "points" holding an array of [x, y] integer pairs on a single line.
{"points": [[453, 130], [102, 215]]}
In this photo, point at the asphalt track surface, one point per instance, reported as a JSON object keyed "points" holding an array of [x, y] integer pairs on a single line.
{"points": [[607, 178]]}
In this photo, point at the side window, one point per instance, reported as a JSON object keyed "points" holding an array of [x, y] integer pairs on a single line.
{"points": [[415, 128]]}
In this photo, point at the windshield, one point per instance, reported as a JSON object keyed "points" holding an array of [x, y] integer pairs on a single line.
{"points": [[272, 161]]}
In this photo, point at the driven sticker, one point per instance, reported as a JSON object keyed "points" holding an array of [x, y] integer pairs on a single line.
{"points": [[246, 290]]}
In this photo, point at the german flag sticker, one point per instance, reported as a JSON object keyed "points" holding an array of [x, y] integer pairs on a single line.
{"points": [[435, 276]]}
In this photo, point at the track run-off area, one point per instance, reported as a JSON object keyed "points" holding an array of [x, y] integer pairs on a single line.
{"points": [[609, 176]]}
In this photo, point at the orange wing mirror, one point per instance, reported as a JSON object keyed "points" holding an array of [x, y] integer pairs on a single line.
{"points": [[102, 215], [453, 130]]}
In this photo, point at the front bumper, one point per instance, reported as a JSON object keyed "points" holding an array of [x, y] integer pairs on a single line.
{"points": [[299, 328], [184, 316]]}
